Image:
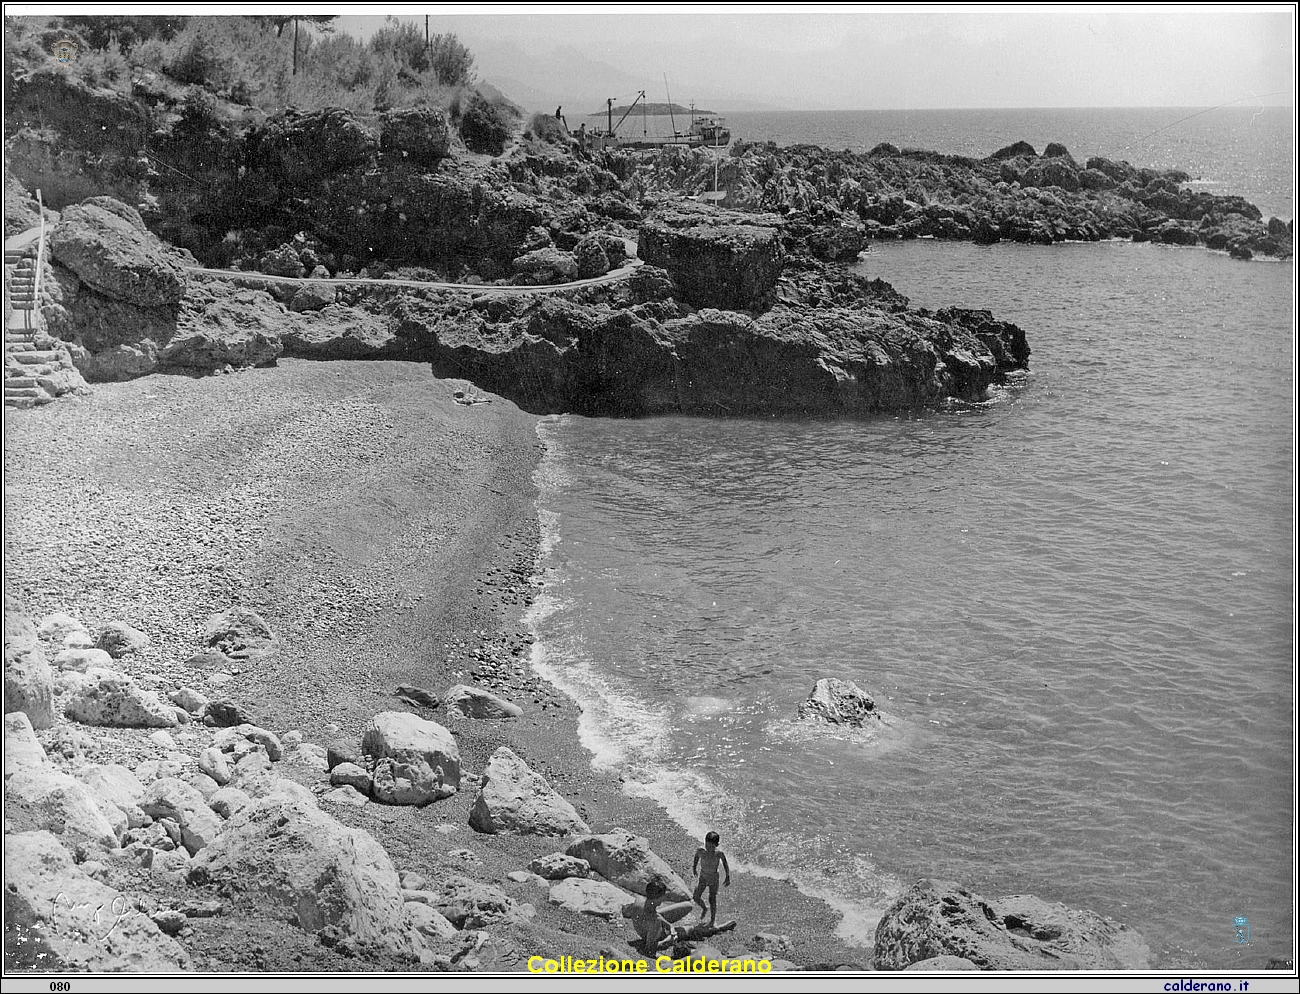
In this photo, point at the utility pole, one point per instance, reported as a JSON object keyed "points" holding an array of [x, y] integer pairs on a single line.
{"points": [[295, 46], [426, 31]]}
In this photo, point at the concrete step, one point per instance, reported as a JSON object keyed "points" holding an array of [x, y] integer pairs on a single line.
{"points": [[33, 356], [13, 348], [20, 381], [24, 305], [31, 391]]}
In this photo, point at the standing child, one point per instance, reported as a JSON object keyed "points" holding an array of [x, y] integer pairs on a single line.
{"points": [[706, 864]]}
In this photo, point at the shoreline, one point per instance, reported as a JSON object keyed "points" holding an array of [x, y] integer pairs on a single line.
{"points": [[335, 461]]}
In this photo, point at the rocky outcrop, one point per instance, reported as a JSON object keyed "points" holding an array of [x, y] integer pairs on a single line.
{"points": [[628, 861], [839, 702], [106, 244], [72, 923], [284, 850], [717, 258], [414, 761], [512, 798], [415, 136], [936, 918]]}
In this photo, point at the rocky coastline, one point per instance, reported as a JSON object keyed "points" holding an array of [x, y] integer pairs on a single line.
{"points": [[242, 640]]}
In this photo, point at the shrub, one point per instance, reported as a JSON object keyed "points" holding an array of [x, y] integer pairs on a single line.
{"points": [[198, 62], [484, 126], [546, 128]]}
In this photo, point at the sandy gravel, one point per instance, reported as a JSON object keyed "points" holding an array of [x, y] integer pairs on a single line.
{"points": [[388, 535]]}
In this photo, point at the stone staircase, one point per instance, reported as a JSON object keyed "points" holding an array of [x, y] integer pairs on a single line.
{"points": [[38, 367]]}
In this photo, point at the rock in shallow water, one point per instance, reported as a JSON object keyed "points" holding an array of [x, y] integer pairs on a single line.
{"points": [[839, 702], [936, 918]]}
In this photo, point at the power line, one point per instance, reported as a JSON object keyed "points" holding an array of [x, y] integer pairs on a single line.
{"points": [[1252, 96]]}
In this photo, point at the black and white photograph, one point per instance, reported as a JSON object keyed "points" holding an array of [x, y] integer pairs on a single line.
{"points": [[678, 490]]}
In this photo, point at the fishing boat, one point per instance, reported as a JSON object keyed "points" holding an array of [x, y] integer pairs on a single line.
{"points": [[703, 131]]}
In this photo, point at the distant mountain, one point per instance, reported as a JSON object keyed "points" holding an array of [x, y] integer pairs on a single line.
{"points": [[653, 110]]}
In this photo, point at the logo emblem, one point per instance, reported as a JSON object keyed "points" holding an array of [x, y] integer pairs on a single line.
{"points": [[1242, 929], [64, 50]]}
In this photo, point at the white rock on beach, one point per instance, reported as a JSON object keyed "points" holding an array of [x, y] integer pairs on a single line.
{"points": [[590, 897], [58, 626], [22, 750], [119, 639], [107, 697], [475, 702], [29, 682], [212, 761], [81, 660], [416, 760], [560, 866], [286, 849], [184, 804], [627, 860], [115, 786], [78, 922], [45, 799], [513, 798]]}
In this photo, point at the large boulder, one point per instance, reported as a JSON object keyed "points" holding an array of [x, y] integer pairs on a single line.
{"points": [[627, 860], [22, 749], [284, 850], [312, 297], [470, 903], [29, 681], [839, 702], [837, 242], [560, 866], [718, 258], [936, 918], [119, 639], [107, 697], [475, 702], [238, 632], [220, 326], [72, 923], [513, 798], [546, 266], [44, 798], [418, 136], [108, 251], [415, 761], [590, 897], [114, 786]]}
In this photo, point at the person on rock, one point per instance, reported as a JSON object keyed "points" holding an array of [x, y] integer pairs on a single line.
{"points": [[654, 923], [706, 865]]}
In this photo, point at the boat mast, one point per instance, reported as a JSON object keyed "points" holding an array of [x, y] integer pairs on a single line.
{"points": [[671, 116]]}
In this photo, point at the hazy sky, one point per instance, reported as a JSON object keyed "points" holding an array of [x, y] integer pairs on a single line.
{"points": [[854, 57]]}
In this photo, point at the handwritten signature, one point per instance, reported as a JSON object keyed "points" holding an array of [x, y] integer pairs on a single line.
{"points": [[119, 909]]}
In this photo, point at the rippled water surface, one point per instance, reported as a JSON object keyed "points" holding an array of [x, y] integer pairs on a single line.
{"points": [[1076, 599]]}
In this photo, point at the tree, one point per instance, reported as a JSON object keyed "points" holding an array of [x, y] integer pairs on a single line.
{"points": [[101, 30], [452, 62]]}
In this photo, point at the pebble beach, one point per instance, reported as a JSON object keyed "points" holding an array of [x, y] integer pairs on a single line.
{"points": [[386, 530]]}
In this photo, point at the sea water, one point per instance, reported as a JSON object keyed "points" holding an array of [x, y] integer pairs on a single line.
{"points": [[1075, 598]]}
